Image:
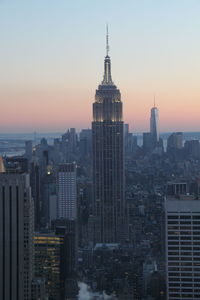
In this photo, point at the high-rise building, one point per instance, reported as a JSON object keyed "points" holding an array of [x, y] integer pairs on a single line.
{"points": [[48, 189], [67, 191], [192, 149], [108, 160], [175, 142], [72, 140], [130, 141], [85, 143], [28, 149], [16, 234], [36, 193], [2, 168], [50, 263], [68, 228], [182, 215], [38, 289], [147, 142], [154, 126], [69, 145], [16, 164]]}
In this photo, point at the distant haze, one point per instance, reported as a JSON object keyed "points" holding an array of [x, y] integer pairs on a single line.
{"points": [[52, 54]]}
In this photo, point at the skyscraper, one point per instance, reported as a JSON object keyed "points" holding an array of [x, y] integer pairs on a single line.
{"points": [[2, 168], [192, 149], [175, 141], [16, 233], [182, 216], [154, 126], [147, 142], [67, 194], [108, 160], [28, 149], [50, 262]]}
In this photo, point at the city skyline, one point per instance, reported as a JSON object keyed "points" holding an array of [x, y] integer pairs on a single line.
{"points": [[51, 63]]}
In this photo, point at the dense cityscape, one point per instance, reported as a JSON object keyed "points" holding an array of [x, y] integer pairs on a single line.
{"points": [[96, 215]]}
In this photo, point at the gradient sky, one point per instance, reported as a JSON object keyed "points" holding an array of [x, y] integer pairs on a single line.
{"points": [[52, 53]]}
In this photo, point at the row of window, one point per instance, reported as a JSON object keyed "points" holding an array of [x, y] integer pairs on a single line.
{"points": [[182, 285], [182, 253], [181, 227], [177, 242], [184, 217], [184, 269], [182, 296], [187, 279], [195, 264], [183, 222], [184, 232], [182, 290], [184, 237], [187, 274], [184, 258]]}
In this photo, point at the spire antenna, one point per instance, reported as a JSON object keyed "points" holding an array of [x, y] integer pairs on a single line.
{"points": [[107, 41], [107, 78], [154, 101]]}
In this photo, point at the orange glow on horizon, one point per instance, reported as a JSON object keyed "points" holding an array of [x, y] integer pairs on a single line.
{"points": [[54, 110]]}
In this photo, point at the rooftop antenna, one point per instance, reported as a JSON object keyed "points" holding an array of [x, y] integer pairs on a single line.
{"points": [[107, 41], [154, 101]]}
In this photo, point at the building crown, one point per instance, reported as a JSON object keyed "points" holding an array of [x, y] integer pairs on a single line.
{"points": [[107, 78]]}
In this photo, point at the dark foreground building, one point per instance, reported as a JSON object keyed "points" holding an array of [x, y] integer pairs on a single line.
{"points": [[16, 232], [108, 160]]}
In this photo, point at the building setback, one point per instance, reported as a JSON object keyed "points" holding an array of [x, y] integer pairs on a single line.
{"points": [[108, 161]]}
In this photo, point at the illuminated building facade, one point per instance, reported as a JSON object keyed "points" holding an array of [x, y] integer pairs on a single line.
{"points": [[108, 160], [50, 263]]}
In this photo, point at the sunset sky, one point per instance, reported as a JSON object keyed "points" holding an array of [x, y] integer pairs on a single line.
{"points": [[52, 54]]}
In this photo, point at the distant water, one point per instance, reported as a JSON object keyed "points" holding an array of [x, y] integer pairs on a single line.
{"points": [[30, 136], [14, 143]]}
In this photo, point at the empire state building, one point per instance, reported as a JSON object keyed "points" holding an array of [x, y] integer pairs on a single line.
{"points": [[108, 160]]}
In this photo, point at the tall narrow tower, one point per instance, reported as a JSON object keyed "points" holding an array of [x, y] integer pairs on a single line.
{"points": [[108, 160], [154, 126]]}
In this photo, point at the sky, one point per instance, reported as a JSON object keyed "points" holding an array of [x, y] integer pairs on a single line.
{"points": [[52, 54]]}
